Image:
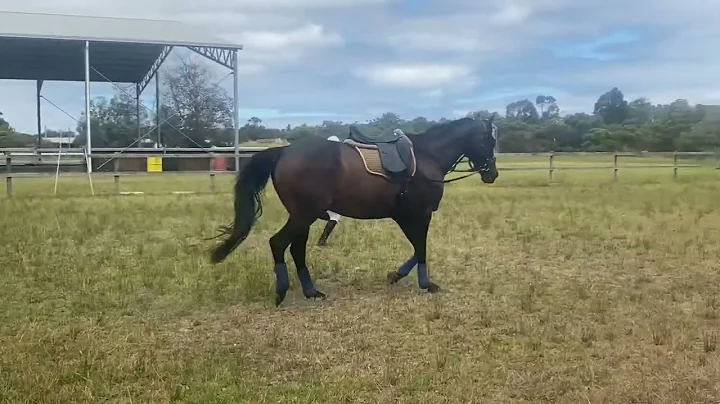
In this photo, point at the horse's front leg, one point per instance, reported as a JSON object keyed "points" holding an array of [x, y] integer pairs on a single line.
{"points": [[416, 229], [403, 271]]}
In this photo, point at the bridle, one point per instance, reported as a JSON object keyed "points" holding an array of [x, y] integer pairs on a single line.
{"points": [[473, 169]]}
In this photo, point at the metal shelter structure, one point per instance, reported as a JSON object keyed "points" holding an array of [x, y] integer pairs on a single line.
{"points": [[56, 47]]}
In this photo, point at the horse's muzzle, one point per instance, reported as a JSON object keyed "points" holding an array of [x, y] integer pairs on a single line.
{"points": [[489, 177]]}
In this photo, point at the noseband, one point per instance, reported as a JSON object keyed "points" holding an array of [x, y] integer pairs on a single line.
{"points": [[472, 170]]}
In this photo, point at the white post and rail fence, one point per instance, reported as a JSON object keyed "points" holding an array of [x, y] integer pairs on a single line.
{"points": [[37, 163]]}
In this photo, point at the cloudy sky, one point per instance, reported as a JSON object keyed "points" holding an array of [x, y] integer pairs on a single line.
{"points": [[310, 60]]}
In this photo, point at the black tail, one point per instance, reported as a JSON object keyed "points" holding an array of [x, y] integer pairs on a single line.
{"points": [[248, 201]]}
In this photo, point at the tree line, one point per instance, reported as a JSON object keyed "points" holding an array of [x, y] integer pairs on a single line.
{"points": [[198, 112]]}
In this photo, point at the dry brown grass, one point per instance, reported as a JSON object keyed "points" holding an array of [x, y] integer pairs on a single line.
{"points": [[583, 292]]}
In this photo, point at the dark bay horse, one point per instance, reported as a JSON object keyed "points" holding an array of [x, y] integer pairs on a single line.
{"points": [[315, 175]]}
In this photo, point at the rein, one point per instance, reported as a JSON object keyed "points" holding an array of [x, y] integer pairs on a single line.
{"points": [[472, 170]]}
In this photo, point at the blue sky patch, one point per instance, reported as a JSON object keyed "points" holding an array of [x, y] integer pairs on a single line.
{"points": [[597, 49], [304, 62], [412, 6]]}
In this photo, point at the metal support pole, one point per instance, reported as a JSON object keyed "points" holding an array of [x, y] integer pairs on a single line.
{"points": [[616, 167], [8, 176], [88, 131], [116, 166], [137, 113], [212, 172], [236, 109], [157, 107], [552, 167], [39, 115]]}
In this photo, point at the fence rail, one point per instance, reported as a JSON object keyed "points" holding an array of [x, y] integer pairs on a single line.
{"points": [[79, 160]]}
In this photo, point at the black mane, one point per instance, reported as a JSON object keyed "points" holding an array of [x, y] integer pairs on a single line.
{"points": [[444, 127]]}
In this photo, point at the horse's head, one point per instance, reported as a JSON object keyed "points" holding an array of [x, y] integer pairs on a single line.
{"points": [[447, 142], [480, 148]]}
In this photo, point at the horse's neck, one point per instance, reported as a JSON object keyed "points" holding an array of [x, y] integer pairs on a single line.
{"points": [[444, 150]]}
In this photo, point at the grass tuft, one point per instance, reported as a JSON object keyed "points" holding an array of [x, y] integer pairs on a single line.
{"points": [[586, 291]]}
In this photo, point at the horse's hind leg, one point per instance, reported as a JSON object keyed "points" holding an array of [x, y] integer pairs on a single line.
{"points": [[279, 242], [298, 250]]}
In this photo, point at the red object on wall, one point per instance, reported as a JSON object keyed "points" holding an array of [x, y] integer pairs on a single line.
{"points": [[220, 164]]}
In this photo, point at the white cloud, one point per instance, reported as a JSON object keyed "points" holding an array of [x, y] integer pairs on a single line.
{"points": [[168, 7], [512, 13], [476, 27], [419, 76], [273, 46], [441, 42], [303, 55], [265, 113], [476, 35], [310, 35], [434, 93], [282, 4]]}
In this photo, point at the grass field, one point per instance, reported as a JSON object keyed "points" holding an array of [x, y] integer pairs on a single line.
{"points": [[587, 291]]}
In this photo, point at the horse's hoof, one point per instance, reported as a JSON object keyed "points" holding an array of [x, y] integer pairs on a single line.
{"points": [[315, 294], [433, 288], [393, 278], [279, 297]]}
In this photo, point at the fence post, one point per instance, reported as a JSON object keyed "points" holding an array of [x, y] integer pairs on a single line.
{"points": [[675, 166], [116, 167], [212, 173], [8, 179], [615, 167], [552, 166]]}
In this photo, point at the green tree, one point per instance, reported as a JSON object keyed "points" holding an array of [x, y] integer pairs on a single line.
{"points": [[198, 108], [114, 122], [547, 107], [4, 125], [522, 110], [640, 111], [612, 106], [615, 125]]}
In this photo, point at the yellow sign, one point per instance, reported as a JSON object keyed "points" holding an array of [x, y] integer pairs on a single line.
{"points": [[154, 164]]}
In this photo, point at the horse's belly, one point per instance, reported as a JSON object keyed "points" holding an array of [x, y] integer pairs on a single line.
{"points": [[362, 196]]}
